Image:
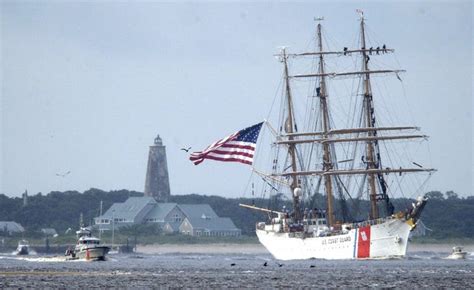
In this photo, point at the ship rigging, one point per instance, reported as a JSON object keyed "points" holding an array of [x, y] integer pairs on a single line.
{"points": [[312, 154]]}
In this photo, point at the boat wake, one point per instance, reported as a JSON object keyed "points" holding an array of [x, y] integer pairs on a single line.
{"points": [[30, 253], [427, 255], [39, 258]]}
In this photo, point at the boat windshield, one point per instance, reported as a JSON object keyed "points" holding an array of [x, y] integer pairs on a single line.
{"points": [[89, 242]]}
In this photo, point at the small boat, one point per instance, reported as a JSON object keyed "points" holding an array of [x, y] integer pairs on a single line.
{"points": [[87, 247], [457, 254], [23, 248]]}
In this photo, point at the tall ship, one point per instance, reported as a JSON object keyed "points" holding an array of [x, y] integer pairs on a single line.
{"points": [[345, 164], [333, 160]]}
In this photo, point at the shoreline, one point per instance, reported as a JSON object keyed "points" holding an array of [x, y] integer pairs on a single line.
{"points": [[217, 248], [230, 248]]}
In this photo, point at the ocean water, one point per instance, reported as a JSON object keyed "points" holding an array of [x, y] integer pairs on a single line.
{"points": [[419, 269]]}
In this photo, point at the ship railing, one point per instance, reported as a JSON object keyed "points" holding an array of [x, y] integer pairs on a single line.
{"points": [[261, 225], [372, 222]]}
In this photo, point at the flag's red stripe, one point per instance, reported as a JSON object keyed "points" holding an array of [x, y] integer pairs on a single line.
{"points": [[228, 159], [234, 150], [198, 161], [223, 149], [223, 154], [229, 142], [238, 146], [219, 152], [221, 142]]}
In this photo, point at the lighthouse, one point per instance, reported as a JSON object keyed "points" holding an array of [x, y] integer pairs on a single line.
{"points": [[157, 184]]}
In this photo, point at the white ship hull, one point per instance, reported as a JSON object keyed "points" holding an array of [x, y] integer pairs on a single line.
{"points": [[458, 256], [384, 240], [94, 253]]}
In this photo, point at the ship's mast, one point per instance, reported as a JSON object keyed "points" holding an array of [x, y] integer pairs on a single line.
{"points": [[327, 164], [291, 147], [370, 120], [328, 136]]}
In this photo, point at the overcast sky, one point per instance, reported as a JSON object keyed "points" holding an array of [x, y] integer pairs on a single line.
{"points": [[86, 86]]}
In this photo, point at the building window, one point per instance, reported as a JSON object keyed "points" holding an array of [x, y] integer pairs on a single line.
{"points": [[177, 218]]}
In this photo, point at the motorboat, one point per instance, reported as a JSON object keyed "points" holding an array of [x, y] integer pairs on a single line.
{"points": [[87, 247], [23, 248], [458, 254]]}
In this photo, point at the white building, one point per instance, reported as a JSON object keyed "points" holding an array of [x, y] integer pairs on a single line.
{"points": [[190, 219], [11, 227]]}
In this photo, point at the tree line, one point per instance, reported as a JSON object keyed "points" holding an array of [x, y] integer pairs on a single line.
{"points": [[447, 215]]}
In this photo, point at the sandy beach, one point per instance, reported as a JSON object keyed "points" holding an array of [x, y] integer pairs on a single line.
{"points": [[221, 248]]}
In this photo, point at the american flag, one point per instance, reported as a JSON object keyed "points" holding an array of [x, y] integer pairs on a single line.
{"points": [[238, 147]]}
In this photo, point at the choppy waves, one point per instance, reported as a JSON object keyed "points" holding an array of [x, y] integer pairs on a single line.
{"points": [[419, 269]]}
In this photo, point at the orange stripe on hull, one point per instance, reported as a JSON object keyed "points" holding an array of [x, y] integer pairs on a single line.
{"points": [[363, 245]]}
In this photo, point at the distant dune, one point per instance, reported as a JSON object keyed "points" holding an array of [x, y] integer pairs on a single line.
{"points": [[220, 248]]}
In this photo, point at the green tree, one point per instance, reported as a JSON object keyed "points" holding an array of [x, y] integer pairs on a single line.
{"points": [[451, 195], [449, 218], [434, 195]]}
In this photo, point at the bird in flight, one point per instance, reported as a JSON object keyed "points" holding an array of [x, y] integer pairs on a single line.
{"points": [[186, 149], [63, 174]]}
